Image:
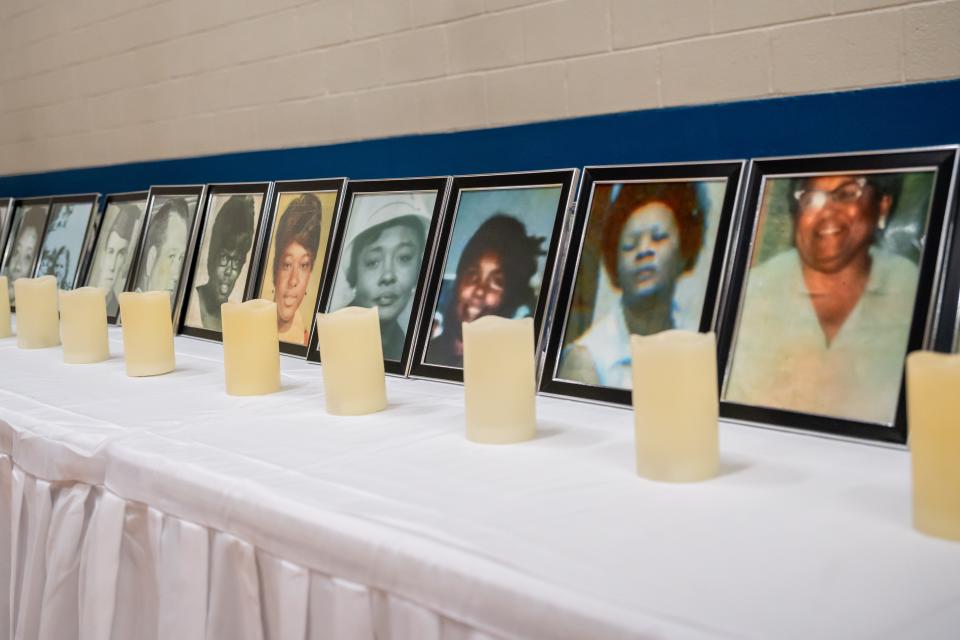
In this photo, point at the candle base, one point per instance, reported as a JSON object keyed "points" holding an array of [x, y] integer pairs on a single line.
{"points": [[36, 344], [85, 358], [263, 390], [146, 370], [937, 525], [356, 406], [677, 471]]}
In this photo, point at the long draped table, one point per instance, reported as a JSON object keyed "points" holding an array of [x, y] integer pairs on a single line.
{"points": [[163, 508]]}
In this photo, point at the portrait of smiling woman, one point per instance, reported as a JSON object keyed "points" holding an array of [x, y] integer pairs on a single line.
{"points": [[294, 264], [825, 320]]}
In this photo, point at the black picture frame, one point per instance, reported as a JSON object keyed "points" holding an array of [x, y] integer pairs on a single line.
{"points": [[730, 171], [109, 199], [942, 160], [262, 189], [947, 331], [20, 205], [280, 188], [93, 199], [564, 179], [197, 191], [356, 188]]}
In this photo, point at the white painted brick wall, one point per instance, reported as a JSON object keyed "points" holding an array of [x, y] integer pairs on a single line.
{"points": [[87, 82]]}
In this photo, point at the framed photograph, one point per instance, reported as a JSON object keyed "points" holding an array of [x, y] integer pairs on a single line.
{"points": [[6, 213], [28, 221], [496, 255], [833, 284], [646, 254], [117, 240], [224, 271], [300, 219], [66, 241], [167, 242], [381, 256]]}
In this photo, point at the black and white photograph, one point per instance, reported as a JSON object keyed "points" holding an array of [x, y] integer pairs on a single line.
{"points": [[167, 242], [116, 246], [381, 255], [496, 255], [645, 255], [831, 290], [27, 224], [222, 271]]}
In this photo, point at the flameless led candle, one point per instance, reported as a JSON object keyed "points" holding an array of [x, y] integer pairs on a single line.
{"points": [[352, 358], [499, 380], [38, 323], [251, 347], [5, 331], [933, 418], [83, 325], [147, 333], [675, 405]]}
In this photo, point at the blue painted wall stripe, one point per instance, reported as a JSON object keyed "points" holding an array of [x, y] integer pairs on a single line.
{"points": [[879, 118]]}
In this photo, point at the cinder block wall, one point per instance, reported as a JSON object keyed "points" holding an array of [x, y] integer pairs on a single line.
{"points": [[93, 82]]}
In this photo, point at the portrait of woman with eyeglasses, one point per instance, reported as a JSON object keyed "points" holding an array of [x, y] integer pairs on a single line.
{"points": [[829, 299], [224, 258]]}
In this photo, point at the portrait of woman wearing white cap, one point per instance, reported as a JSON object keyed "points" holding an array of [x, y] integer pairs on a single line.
{"points": [[380, 264]]}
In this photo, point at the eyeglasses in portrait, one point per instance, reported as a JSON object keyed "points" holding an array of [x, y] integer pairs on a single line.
{"points": [[500, 248], [115, 248], [833, 293], [293, 269], [385, 245], [26, 233], [221, 272]]}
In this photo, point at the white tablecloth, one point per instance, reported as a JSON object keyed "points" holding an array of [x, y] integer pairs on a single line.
{"points": [[162, 508]]}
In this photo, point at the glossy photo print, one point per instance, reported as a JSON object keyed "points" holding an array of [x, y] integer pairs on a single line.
{"points": [[645, 262], [165, 243], [223, 263], [115, 248], [836, 286], [830, 294], [496, 256], [26, 234], [385, 245], [64, 241], [293, 269]]}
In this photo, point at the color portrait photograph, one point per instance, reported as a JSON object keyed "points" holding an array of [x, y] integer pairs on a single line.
{"points": [[223, 263], [115, 248], [64, 241], [26, 233], [830, 292], [494, 265], [165, 243], [294, 264], [645, 261], [384, 248]]}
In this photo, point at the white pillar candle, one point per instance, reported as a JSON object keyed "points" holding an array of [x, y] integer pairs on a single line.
{"points": [[675, 405], [38, 323], [5, 331], [83, 325], [251, 347], [352, 359], [933, 418], [147, 333], [499, 380]]}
